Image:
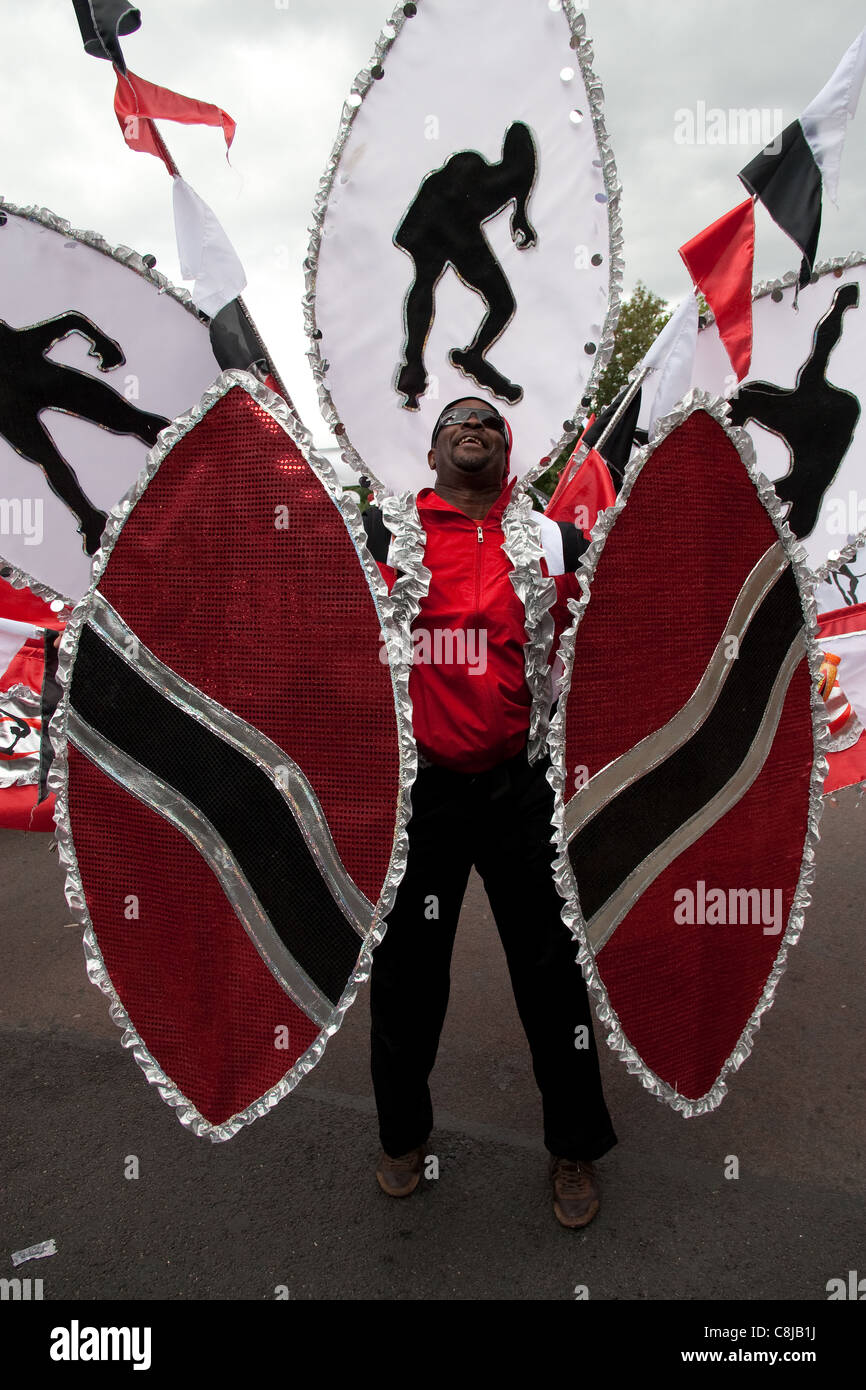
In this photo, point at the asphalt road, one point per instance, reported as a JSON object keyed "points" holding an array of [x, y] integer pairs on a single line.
{"points": [[291, 1203]]}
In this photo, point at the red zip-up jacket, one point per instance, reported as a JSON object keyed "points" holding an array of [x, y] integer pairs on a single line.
{"points": [[470, 701]]}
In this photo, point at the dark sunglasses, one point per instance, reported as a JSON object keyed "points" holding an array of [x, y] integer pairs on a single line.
{"points": [[485, 415]]}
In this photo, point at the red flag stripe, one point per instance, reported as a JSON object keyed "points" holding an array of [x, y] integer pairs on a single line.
{"points": [[23, 606], [19, 809], [719, 260], [587, 492], [137, 102]]}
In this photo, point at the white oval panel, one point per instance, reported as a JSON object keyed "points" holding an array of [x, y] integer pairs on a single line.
{"points": [[470, 206], [60, 411]]}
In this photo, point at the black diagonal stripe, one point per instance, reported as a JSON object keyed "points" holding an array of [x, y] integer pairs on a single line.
{"points": [[240, 801], [646, 813]]}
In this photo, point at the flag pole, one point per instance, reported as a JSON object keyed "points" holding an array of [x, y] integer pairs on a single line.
{"points": [[627, 399], [579, 457], [100, 34]]}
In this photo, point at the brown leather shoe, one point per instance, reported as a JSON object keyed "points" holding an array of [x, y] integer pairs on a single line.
{"points": [[400, 1176], [576, 1196]]}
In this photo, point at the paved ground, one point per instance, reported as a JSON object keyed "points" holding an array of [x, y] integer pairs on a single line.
{"points": [[292, 1200]]}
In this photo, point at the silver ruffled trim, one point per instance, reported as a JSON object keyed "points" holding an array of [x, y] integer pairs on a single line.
{"points": [[131, 259], [564, 878], [786, 282], [20, 692], [360, 87], [32, 700], [406, 555], [789, 279], [537, 593], [348, 508], [582, 47], [19, 578]]}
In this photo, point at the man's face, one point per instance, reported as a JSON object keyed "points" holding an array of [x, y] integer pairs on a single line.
{"points": [[469, 452]]}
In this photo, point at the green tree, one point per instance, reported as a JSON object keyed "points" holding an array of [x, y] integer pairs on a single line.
{"points": [[642, 317]]}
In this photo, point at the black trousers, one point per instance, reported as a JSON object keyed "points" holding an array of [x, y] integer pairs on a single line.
{"points": [[498, 821]]}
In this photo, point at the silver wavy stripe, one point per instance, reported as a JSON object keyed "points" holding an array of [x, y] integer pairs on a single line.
{"points": [[159, 796], [601, 927], [657, 746], [613, 189], [787, 281], [285, 774], [346, 504], [617, 1039]]}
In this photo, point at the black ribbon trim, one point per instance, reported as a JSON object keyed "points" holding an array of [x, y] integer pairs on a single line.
{"points": [[238, 798], [646, 813]]}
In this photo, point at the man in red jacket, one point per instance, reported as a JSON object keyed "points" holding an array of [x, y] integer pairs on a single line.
{"points": [[478, 800]]}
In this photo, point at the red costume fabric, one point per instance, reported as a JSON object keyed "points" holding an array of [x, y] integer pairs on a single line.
{"points": [[470, 700]]}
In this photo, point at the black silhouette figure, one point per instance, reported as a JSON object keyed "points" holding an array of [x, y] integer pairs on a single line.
{"points": [[30, 383], [18, 729], [815, 419], [444, 226]]}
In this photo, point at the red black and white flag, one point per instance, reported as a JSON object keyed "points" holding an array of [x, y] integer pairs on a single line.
{"points": [[666, 369], [788, 174], [584, 489], [205, 252]]}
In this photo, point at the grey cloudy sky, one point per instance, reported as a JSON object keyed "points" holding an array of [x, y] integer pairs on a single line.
{"points": [[282, 69]]}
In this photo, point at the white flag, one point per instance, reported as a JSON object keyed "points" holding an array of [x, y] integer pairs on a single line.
{"points": [[825, 119], [670, 361], [13, 635], [206, 254]]}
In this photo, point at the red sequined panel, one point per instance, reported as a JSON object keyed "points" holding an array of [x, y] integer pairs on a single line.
{"points": [[196, 989], [666, 582], [688, 990], [693, 529], [285, 632]]}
